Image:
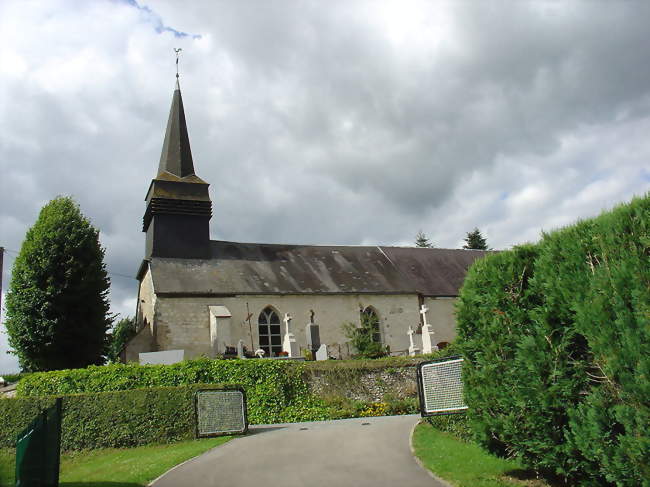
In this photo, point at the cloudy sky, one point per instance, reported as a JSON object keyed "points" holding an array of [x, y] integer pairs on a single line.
{"points": [[337, 122]]}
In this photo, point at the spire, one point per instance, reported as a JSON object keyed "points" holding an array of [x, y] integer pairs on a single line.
{"points": [[176, 157]]}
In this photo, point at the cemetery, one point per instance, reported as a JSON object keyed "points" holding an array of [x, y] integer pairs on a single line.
{"points": [[533, 359], [552, 336]]}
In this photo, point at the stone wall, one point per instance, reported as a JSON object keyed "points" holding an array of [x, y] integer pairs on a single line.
{"points": [[371, 384], [145, 339]]}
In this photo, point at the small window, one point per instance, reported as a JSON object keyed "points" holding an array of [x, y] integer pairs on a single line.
{"points": [[372, 317], [268, 326]]}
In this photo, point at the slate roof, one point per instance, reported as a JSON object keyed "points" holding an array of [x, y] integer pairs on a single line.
{"points": [[176, 156], [253, 268]]}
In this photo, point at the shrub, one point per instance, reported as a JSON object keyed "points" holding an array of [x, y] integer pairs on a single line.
{"points": [[455, 424], [558, 348], [364, 338], [111, 419], [275, 389], [493, 319]]}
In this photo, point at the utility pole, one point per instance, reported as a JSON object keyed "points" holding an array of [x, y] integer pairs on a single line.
{"points": [[2, 253]]}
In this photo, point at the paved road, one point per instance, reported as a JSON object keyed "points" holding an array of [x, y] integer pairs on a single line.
{"points": [[361, 452]]}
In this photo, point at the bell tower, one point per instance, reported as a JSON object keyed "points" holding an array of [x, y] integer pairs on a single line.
{"points": [[177, 217]]}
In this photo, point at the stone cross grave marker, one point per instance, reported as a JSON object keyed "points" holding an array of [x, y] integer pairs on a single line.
{"points": [[289, 344], [413, 350], [427, 332]]}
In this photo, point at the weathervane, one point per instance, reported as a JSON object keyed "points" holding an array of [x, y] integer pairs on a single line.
{"points": [[178, 52]]}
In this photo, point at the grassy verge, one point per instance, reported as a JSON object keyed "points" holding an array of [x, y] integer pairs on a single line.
{"points": [[128, 467], [465, 464]]}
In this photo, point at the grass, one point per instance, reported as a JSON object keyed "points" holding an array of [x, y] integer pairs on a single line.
{"points": [[466, 464], [126, 467]]}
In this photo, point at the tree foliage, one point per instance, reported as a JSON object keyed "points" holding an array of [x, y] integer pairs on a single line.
{"points": [[57, 303], [474, 240], [421, 240], [364, 337], [124, 330], [557, 337]]}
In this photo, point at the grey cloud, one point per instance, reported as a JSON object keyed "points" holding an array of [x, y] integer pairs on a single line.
{"points": [[314, 125]]}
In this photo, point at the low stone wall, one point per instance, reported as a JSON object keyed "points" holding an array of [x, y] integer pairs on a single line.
{"points": [[363, 384]]}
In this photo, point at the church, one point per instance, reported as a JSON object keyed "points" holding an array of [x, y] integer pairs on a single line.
{"points": [[202, 297]]}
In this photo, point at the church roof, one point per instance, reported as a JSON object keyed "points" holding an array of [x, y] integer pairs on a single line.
{"points": [[253, 268], [176, 156]]}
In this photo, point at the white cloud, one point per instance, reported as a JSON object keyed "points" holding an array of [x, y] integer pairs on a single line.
{"points": [[351, 123]]}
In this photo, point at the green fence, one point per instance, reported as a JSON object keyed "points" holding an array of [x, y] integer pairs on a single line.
{"points": [[38, 450]]}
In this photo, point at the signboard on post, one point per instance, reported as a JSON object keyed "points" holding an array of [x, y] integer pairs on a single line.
{"points": [[221, 412], [440, 387]]}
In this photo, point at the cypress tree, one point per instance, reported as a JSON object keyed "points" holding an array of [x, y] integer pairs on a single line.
{"points": [[57, 303], [558, 345]]}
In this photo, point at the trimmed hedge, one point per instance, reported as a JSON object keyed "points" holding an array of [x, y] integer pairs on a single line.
{"points": [[558, 340], [275, 390], [111, 419]]}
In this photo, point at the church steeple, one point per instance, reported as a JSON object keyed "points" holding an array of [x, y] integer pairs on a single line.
{"points": [[176, 156], [177, 218]]}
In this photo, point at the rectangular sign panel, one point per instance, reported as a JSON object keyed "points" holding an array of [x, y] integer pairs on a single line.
{"points": [[440, 386], [221, 412]]}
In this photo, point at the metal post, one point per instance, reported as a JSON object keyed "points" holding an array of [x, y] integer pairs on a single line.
{"points": [[2, 251]]}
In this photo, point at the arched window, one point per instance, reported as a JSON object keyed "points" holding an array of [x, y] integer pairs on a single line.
{"points": [[268, 326], [369, 316]]}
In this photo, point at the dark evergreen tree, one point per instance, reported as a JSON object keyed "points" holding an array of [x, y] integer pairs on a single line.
{"points": [[124, 330], [475, 240], [57, 303], [421, 240]]}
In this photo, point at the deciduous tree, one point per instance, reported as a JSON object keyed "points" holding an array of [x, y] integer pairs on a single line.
{"points": [[124, 330], [57, 303]]}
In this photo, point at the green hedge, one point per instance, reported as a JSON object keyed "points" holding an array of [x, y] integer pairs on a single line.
{"points": [[275, 389], [111, 419], [558, 340]]}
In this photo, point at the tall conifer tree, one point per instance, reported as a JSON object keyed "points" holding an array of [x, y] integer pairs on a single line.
{"points": [[475, 240], [421, 240], [57, 303]]}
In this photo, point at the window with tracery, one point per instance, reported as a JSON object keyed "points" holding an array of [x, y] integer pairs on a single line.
{"points": [[268, 326], [372, 317]]}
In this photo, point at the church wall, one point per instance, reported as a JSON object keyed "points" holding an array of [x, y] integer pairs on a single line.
{"points": [[184, 322], [442, 316], [144, 341]]}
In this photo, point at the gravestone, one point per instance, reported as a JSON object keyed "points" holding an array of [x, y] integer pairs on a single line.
{"points": [[427, 333], [289, 344], [240, 349], [313, 337], [321, 353], [413, 350]]}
